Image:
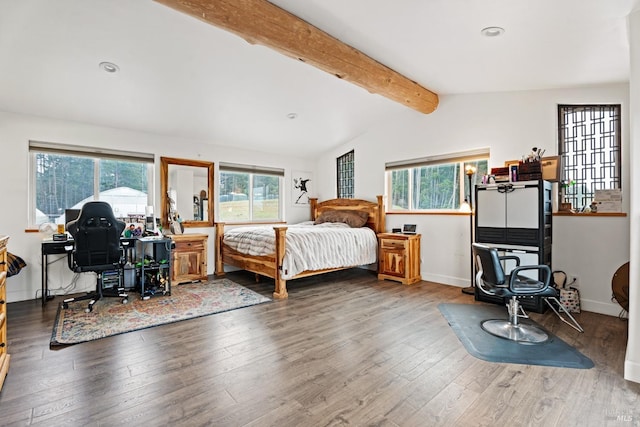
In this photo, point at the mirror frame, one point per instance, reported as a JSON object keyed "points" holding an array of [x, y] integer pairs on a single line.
{"points": [[164, 186]]}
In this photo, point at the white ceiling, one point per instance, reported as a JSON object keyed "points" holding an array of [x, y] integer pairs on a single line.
{"points": [[182, 77]]}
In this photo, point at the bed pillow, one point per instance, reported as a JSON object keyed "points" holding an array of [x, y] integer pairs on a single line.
{"points": [[15, 264], [353, 218]]}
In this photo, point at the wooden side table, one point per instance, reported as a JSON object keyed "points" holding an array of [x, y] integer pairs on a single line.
{"points": [[189, 258], [399, 257]]}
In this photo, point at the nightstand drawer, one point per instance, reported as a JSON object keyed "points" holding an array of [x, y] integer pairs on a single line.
{"points": [[192, 246], [393, 244]]}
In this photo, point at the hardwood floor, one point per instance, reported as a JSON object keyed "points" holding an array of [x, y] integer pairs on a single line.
{"points": [[344, 349]]}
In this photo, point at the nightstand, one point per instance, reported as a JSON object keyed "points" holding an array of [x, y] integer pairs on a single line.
{"points": [[399, 257], [189, 258]]}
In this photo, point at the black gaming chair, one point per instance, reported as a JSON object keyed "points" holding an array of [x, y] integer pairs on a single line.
{"points": [[96, 233], [492, 280]]}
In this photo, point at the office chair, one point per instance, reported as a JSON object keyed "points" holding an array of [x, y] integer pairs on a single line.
{"points": [[96, 234], [492, 280]]}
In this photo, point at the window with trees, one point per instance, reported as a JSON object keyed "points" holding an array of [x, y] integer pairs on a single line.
{"points": [[345, 168], [589, 146], [433, 183], [250, 193], [65, 177]]}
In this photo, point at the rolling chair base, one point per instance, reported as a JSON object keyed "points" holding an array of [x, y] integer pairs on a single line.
{"points": [[94, 297], [521, 332]]}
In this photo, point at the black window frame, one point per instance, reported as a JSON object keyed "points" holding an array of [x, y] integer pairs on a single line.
{"points": [[345, 175], [588, 158]]}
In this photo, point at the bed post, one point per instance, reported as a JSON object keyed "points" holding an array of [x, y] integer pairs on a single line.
{"points": [[313, 201], [219, 266], [381, 215], [281, 284]]}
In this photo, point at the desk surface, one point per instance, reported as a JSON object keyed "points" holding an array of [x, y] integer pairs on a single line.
{"points": [[51, 247], [49, 242]]}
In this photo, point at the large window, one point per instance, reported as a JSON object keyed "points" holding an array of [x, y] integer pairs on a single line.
{"points": [[589, 143], [249, 193], [65, 177], [345, 168], [435, 183]]}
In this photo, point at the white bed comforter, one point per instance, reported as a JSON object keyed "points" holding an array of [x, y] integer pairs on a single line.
{"points": [[308, 246]]}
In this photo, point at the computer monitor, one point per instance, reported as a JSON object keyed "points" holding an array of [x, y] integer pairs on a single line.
{"points": [[70, 215]]}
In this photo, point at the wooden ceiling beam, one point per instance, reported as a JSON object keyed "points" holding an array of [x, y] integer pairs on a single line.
{"points": [[261, 22]]}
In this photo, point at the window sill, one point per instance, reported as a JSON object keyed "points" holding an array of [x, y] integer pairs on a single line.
{"points": [[451, 212], [583, 214]]}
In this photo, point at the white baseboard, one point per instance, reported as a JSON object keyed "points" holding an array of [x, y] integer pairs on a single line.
{"points": [[445, 280], [631, 371], [610, 309]]}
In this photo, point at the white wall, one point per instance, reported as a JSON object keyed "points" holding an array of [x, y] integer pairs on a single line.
{"points": [[632, 358], [16, 131], [510, 124]]}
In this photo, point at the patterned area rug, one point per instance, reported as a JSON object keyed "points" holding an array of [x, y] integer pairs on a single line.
{"points": [[110, 317]]}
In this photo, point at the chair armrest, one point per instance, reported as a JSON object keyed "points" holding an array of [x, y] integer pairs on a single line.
{"points": [[544, 270], [510, 257]]}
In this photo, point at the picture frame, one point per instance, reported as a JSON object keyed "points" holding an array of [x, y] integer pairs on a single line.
{"points": [[550, 168], [301, 188]]}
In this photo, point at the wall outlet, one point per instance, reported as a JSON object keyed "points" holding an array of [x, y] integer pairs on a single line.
{"points": [[573, 281]]}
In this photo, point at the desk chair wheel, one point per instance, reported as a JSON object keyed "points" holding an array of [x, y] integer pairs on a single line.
{"points": [[89, 308]]}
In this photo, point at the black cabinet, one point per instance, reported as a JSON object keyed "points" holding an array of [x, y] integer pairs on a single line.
{"points": [[516, 218]]}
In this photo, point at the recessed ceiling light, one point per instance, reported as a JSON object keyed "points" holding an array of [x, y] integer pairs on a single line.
{"points": [[109, 67], [292, 116], [492, 31]]}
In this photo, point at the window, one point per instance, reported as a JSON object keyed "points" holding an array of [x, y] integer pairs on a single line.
{"points": [[250, 193], [589, 145], [345, 168], [65, 177], [434, 183]]}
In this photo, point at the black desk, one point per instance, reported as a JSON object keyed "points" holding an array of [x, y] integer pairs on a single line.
{"points": [[53, 247]]}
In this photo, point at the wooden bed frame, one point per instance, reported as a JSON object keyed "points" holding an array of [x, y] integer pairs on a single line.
{"points": [[271, 265]]}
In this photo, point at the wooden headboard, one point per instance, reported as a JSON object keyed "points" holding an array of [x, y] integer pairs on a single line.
{"points": [[375, 210]]}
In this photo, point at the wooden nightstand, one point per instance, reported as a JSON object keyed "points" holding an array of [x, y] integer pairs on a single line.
{"points": [[189, 258], [399, 257]]}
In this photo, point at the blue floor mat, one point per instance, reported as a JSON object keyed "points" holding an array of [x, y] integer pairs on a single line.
{"points": [[465, 320]]}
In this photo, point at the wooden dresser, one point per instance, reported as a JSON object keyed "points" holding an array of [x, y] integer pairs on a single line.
{"points": [[399, 257], [189, 258], [4, 355]]}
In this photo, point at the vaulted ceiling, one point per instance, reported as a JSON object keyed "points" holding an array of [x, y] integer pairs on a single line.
{"points": [[184, 77]]}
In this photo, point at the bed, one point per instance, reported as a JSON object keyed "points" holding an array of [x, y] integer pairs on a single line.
{"points": [[284, 241]]}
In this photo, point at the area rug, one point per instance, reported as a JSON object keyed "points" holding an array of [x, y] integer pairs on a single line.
{"points": [[110, 317], [465, 320]]}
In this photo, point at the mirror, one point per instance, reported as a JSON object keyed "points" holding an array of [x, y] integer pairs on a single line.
{"points": [[186, 187]]}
